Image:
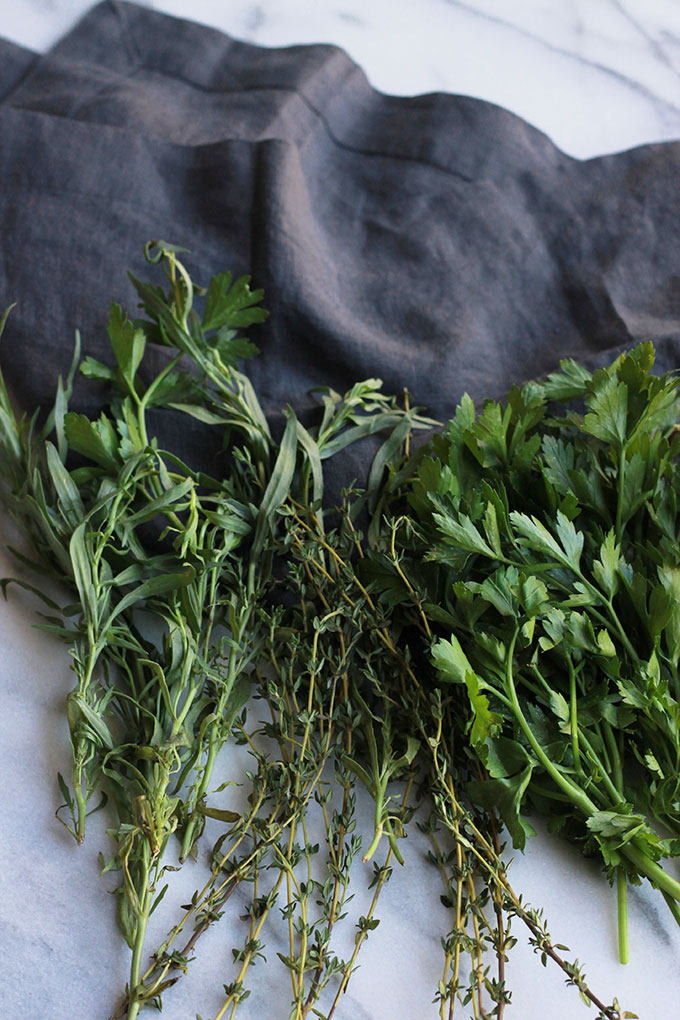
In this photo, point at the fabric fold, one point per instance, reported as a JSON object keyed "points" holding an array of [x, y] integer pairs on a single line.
{"points": [[15, 63]]}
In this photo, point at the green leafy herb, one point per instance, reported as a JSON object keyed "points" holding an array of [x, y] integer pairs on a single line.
{"points": [[532, 551], [551, 536], [173, 574]]}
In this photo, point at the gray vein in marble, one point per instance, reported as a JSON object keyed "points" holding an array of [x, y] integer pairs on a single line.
{"points": [[577, 20], [655, 46], [255, 19], [672, 41], [354, 1009], [655, 919], [350, 18], [662, 105]]}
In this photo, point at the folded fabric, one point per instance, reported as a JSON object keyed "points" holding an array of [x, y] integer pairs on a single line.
{"points": [[440, 242]]}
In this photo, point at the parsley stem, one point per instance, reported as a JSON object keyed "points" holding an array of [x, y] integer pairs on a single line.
{"points": [[621, 880], [625, 640], [594, 758], [573, 718], [613, 615], [577, 796], [615, 757], [622, 909], [621, 489], [672, 905], [154, 386]]}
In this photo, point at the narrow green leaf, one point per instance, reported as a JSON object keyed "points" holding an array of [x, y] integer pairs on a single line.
{"points": [[155, 586], [171, 500], [82, 571], [221, 814], [313, 456], [158, 898], [279, 485], [80, 712], [66, 491], [384, 458]]}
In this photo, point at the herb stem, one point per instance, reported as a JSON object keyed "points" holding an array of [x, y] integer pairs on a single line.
{"points": [[577, 796], [383, 876], [672, 905], [622, 909], [497, 876], [573, 717], [136, 995], [215, 738], [594, 758], [476, 951], [654, 872], [621, 491], [615, 757]]}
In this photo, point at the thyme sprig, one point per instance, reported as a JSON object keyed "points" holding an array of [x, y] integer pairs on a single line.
{"points": [[393, 632]]}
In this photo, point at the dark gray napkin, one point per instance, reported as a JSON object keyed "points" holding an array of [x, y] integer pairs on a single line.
{"points": [[440, 242]]}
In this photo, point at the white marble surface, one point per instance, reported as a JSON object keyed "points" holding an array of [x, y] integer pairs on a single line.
{"points": [[597, 76]]}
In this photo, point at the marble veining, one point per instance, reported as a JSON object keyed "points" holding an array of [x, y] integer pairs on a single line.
{"points": [[594, 50], [597, 76]]}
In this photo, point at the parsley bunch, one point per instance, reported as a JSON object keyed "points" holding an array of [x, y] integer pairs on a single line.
{"points": [[550, 529]]}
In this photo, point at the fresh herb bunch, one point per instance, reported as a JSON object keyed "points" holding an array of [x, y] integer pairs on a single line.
{"points": [[546, 562], [316, 737], [191, 594], [414, 730], [161, 630], [171, 573], [313, 736]]}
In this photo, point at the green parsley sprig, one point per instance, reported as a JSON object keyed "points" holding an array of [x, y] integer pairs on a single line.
{"points": [[550, 528]]}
